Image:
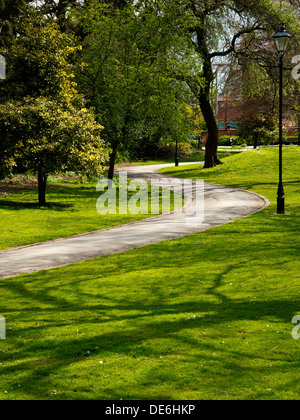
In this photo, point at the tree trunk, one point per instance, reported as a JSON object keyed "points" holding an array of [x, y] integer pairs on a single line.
{"points": [[203, 95], [255, 141], [211, 157], [112, 161], [42, 184]]}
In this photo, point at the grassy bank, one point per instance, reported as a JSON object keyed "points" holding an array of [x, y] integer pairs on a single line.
{"points": [[252, 169], [199, 157], [204, 317]]}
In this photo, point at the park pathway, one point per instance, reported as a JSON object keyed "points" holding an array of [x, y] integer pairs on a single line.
{"points": [[221, 205]]}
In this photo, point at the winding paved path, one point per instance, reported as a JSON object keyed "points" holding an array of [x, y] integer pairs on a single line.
{"points": [[221, 205]]}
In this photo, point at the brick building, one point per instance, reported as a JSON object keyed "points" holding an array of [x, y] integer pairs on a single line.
{"points": [[228, 113]]}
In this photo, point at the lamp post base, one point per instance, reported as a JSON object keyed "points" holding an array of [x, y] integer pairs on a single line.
{"points": [[280, 199], [280, 206]]}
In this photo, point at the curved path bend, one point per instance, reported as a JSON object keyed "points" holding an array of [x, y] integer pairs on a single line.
{"points": [[221, 205]]}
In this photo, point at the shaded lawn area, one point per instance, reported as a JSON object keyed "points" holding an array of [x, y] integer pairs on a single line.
{"points": [[71, 210], [196, 158], [207, 316]]}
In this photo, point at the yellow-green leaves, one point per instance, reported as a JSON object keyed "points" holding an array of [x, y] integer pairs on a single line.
{"points": [[44, 122]]}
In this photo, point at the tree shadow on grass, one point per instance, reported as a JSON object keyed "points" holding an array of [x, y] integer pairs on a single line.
{"points": [[134, 326], [41, 361], [253, 186], [56, 196], [18, 205]]}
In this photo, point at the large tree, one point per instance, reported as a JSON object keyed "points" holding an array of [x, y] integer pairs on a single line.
{"points": [[214, 32], [44, 124]]}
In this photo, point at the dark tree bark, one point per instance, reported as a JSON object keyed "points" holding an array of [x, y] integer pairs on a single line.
{"points": [[203, 95], [112, 161], [115, 144], [200, 37], [42, 185], [255, 141], [211, 157]]}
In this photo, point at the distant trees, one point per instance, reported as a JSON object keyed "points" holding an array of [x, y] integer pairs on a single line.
{"points": [[126, 76], [258, 81], [259, 127], [9, 10]]}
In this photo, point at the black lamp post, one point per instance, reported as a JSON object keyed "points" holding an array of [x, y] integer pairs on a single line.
{"points": [[281, 39], [176, 154]]}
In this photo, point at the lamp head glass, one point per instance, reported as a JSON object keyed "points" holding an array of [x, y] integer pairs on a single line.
{"points": [[282, 40]]}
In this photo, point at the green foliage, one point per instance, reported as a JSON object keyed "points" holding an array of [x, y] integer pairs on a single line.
{"points": [[166, 149], [9, 11], [45, 126], [197, 122], [218, 30], [52, 137], [236, 141], [126, 78], [259, 128], [37, 61]]}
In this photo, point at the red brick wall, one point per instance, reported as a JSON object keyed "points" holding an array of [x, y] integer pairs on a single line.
{"points": [[229, 111]]}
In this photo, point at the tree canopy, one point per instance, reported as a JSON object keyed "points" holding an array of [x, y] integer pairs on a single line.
{"points": [[44, 123], [126, 77], [137, 64]]}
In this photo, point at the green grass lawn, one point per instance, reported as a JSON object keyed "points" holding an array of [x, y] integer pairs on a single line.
{"points": [[71, 210], [256, 169], [207, 316]]}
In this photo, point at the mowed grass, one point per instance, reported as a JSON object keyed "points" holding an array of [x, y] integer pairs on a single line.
{"points": [[198, 157], [71, 210], [252, 169], [207, 316]]}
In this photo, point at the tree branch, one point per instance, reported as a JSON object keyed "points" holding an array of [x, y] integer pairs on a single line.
{"points": [[233, 42]]}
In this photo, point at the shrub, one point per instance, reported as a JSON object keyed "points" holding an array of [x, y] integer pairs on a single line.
{"points": [[167, 150], [236, 141]]}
